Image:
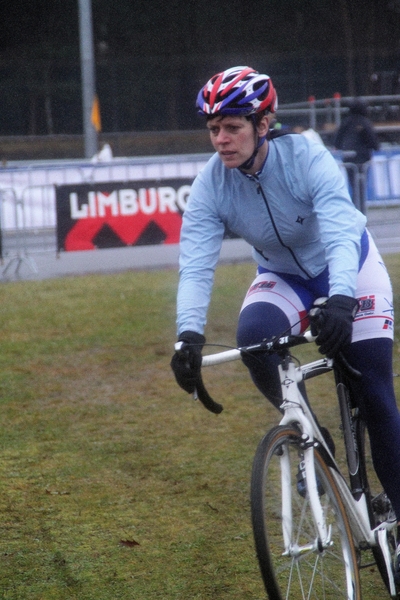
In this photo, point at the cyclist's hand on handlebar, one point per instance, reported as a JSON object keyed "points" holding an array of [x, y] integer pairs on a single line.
{"points": [[332, 323], [186, 363]]}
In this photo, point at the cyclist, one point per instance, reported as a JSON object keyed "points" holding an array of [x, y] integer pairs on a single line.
{"points": [[286, 196]]}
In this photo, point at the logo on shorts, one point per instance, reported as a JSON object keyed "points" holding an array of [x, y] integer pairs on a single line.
{"points": [[366, 305], [388, 324], [262, 285]]}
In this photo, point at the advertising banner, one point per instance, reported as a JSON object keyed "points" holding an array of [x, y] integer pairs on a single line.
{"points": [[120, 213]]}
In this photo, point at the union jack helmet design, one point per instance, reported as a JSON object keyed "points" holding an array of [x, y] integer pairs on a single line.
{"points": [[239, 91]]}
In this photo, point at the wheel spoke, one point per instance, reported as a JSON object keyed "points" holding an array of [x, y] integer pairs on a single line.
{"points": [[306, 569]]}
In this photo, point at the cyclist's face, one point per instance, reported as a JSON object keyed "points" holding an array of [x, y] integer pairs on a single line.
{"points": [[234, 139]]}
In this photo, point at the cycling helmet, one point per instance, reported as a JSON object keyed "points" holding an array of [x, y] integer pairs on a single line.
{"points": [[239, 91]]}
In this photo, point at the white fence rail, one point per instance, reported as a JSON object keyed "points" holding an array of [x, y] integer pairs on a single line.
{"points": [[33, 188]]}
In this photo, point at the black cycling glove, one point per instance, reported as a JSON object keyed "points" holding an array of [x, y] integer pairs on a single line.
{"points": [[333, 323], [186, 363]]}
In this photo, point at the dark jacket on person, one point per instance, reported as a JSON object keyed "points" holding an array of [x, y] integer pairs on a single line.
{"points": [[357, 133]]}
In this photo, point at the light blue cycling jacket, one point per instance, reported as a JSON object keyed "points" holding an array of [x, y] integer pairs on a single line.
{"points": [[296, 213]]}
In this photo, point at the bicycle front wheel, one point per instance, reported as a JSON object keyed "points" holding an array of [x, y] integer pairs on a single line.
{"points": [[293, 562]]}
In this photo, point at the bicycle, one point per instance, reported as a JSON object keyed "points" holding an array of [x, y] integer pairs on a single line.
{"points": [[312, 527]]}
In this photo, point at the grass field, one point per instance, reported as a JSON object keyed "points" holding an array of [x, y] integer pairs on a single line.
{"points": [[114, 484]]}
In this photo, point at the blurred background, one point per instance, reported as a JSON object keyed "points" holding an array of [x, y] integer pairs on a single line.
{"points": [[151, 57], [149, 60]]}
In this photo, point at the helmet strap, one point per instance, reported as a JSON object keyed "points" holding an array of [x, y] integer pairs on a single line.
{"points": [[250, 161], [258, 143]]}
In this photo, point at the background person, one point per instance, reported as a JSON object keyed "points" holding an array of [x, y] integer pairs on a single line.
{"points": [[356, 134], [287, 198]]}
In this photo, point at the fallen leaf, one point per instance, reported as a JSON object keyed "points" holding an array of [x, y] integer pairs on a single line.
{"points": [[129, 543], [55, 493]]}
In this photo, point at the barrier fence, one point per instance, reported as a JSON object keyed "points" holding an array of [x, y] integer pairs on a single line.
{"points": [[127, 202], [85, 206]]}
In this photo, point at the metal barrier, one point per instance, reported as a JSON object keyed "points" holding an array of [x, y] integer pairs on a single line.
{"points": [[375, 183], [356, 184], [326, 114], [27, 195], [384, 180], [18, 253]]}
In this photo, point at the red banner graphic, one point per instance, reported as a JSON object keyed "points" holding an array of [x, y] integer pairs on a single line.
{"points": [[117, 214]]}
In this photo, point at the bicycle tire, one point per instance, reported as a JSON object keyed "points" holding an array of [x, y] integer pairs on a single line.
{"points": [[330, 573]]}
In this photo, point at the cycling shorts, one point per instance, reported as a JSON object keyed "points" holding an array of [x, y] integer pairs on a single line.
{"points": [[295, 296]]}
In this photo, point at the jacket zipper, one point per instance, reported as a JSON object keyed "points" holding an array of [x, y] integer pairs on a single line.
{"points": [[261, 191]]}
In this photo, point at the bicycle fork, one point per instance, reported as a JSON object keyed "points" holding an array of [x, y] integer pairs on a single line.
{"points": [[294, 413], [323, 539]]}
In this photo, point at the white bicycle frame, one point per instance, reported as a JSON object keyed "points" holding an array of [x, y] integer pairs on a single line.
{"points": [[296, 411]]}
